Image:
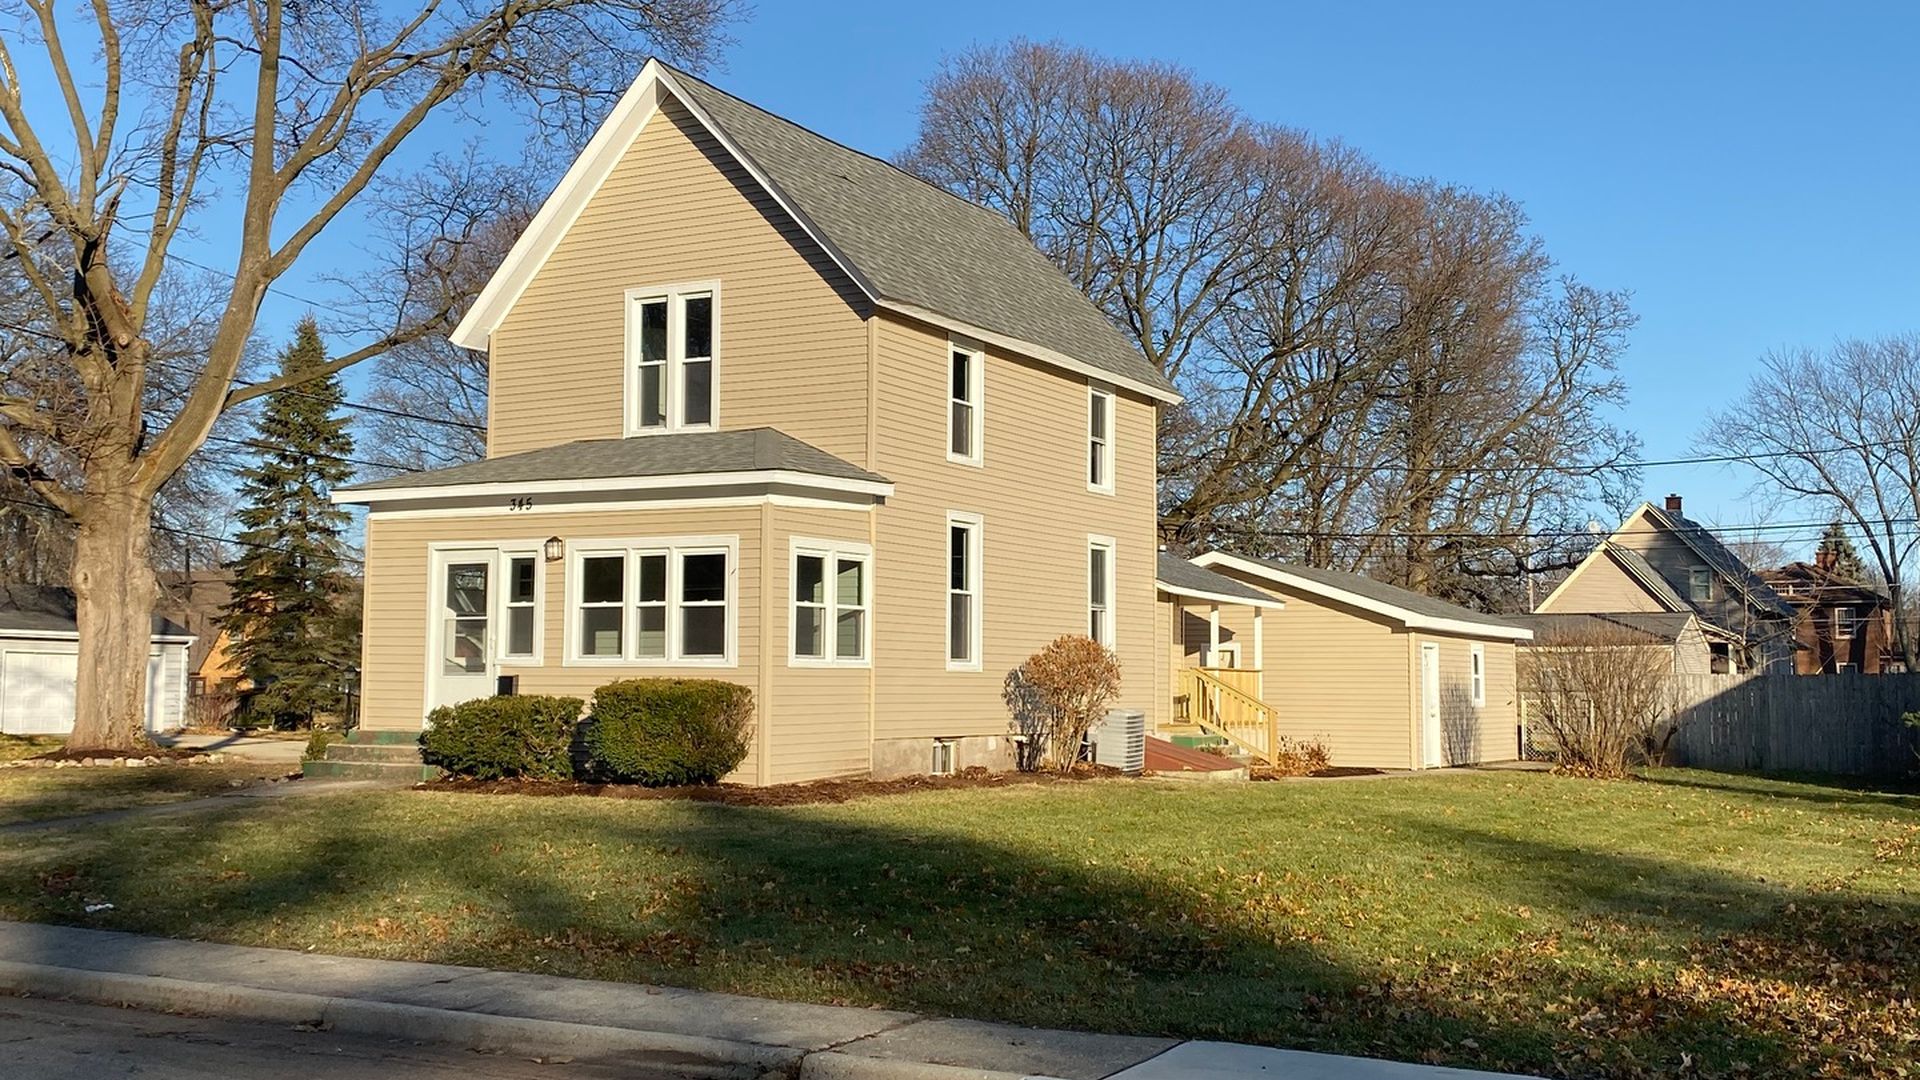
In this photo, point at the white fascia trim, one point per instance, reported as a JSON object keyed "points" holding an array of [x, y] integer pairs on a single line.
{"points": [[717, 502], [1027, 348], [1412, 620], [1216, 598], [509, 489], [74, 635], [1604, 552]]}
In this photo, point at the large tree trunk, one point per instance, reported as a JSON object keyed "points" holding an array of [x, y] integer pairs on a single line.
{"points": [[115, 588]]}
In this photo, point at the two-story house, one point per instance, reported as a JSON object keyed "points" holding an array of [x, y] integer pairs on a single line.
{"points": [[767, 409], [1659, 560], [1841, 624]]}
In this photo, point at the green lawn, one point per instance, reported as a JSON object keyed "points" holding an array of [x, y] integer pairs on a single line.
{"points": [[38, 794], [1499, 920], [14, 747]]}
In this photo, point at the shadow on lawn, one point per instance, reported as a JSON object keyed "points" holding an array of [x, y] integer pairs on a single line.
{"points": [[811, 905], [1872, 793]]}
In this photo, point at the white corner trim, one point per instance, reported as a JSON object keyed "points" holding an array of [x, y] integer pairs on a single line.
{"points": [[681, 481], [1029, 349], [1412, 620]]}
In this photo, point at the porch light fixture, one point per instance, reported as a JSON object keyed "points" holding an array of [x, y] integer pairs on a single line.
{"points": [[553, 549]]}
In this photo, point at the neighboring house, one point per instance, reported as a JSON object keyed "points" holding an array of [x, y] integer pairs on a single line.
{"points": [[1383, 677], [1660, 561], [1839, 625], [197, 600], [1691, 643], [39, 663], [767, 409]]}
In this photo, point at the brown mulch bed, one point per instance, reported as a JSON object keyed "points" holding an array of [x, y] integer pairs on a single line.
{"points": [[816, 791], [1330, 773], [162, 753]]}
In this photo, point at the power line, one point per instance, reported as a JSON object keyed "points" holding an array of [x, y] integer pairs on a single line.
{"points": [[347, 560]]}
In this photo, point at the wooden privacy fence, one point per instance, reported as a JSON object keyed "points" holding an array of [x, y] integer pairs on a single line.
{"points": [[1847, 724]]}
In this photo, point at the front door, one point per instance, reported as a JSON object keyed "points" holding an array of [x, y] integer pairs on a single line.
{"points": [[1430, 752], [462, 657]]}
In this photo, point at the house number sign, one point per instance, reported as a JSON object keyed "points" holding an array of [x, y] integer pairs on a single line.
{"points": [[520, 502]]}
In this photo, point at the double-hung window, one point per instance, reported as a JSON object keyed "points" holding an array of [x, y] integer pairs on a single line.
{"points": [[1100, 589], [966, 375], [832, 602], [1844, 621], [1477, 672], [672, 334], [653, 602], [1099, 440], [1700, 584], [520, 605], [963, 591]]}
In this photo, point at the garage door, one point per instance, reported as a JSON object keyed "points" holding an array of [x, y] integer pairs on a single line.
{"points": [[36, 692]]}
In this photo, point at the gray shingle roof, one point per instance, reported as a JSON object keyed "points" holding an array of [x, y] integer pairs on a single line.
{"points": [[1406, 599], [918, 244], [1723, 560], [1180, 574], [1642, 571], [679, 454], [1657, 626], [50, 609]]}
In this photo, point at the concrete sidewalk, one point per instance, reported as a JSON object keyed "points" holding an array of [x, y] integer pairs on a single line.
{"points": [[274, 751], [669, 1031]]}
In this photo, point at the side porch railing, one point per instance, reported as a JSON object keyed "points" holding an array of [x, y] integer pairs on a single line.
{"points": [[1226, 702]]}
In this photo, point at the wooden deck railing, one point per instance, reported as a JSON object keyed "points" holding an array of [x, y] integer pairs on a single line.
{"points": [[1226, 702]]}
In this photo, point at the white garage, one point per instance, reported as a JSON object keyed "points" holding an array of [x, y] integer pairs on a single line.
{"points": [[39, 655]]}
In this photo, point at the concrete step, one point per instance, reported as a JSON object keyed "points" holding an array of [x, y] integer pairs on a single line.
{"points": [[392, 771], [395, 753], [366, 737]]}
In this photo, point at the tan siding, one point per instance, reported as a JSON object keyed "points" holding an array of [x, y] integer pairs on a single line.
{"points": [[792, 344], [1032, 492], [1468, 734], [1600, 585], [395, 642], [822, 715]]}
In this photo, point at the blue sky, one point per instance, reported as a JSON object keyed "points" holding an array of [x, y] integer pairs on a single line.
{"points": [[1750, 172]]}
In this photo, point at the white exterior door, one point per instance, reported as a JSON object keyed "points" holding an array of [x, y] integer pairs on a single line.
{"points": [[36, 692], [1430, 746], [460, 663]]}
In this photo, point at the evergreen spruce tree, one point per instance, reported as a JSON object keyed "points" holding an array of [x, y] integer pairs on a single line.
{"points": [[285, 616], [1836, 551]]}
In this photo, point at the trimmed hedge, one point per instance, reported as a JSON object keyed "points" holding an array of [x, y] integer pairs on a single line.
{"points": [[662, 732], [496, 737]]}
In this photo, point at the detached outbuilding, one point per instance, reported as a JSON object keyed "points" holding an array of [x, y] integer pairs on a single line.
{"points": [[39, 663], [1382, 676]]}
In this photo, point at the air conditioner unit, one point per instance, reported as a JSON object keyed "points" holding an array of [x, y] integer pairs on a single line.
{"points": [[1120, 741]]}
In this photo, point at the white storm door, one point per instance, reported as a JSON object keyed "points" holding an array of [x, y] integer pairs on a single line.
{"points": [[1430, 753], [460, 660]]}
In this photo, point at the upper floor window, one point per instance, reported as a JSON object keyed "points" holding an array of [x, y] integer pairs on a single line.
{"points": [[1844, 621], [966, 372], [1100, 589], [963, 591], [1099, 440], [671, 339], [1700, 584]]}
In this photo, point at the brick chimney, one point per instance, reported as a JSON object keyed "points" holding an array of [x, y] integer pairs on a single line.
{"points": [[1826, 557], [1673, 504]]}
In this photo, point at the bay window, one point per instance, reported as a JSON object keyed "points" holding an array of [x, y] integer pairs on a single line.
{"points": [[671, 339]]}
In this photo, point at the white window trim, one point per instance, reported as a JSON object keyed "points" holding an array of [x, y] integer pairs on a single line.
{"points": [[1694, 571], [1477, 673], [977, 545], [675, 548], [676, 345], [833, 551], [977, 390], [504, 558], [1105, 396], [1106, 544]]}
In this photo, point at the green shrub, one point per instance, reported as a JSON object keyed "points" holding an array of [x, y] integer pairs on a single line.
{"points": [[318, 742], [662, 732], [495, 737]]}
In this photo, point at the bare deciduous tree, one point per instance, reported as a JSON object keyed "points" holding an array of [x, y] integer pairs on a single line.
{"points": [[1377, 371], [1604, 700], [278, 119], [1839, 430]]}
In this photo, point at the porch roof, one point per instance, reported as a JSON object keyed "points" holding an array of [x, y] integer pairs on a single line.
{"points": [[1179, 577]]}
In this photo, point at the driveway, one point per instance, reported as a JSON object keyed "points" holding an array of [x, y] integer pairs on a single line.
{"points": [[251, 747]]}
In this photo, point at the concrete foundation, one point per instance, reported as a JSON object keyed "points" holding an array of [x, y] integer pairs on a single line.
{"points": [[914, 757]]}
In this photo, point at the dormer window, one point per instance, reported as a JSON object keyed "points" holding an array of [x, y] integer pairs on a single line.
{"points": [[672, 335]]}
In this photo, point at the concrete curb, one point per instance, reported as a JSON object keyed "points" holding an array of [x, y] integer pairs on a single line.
{"points": [[648, 1051], [678, 1055]]}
